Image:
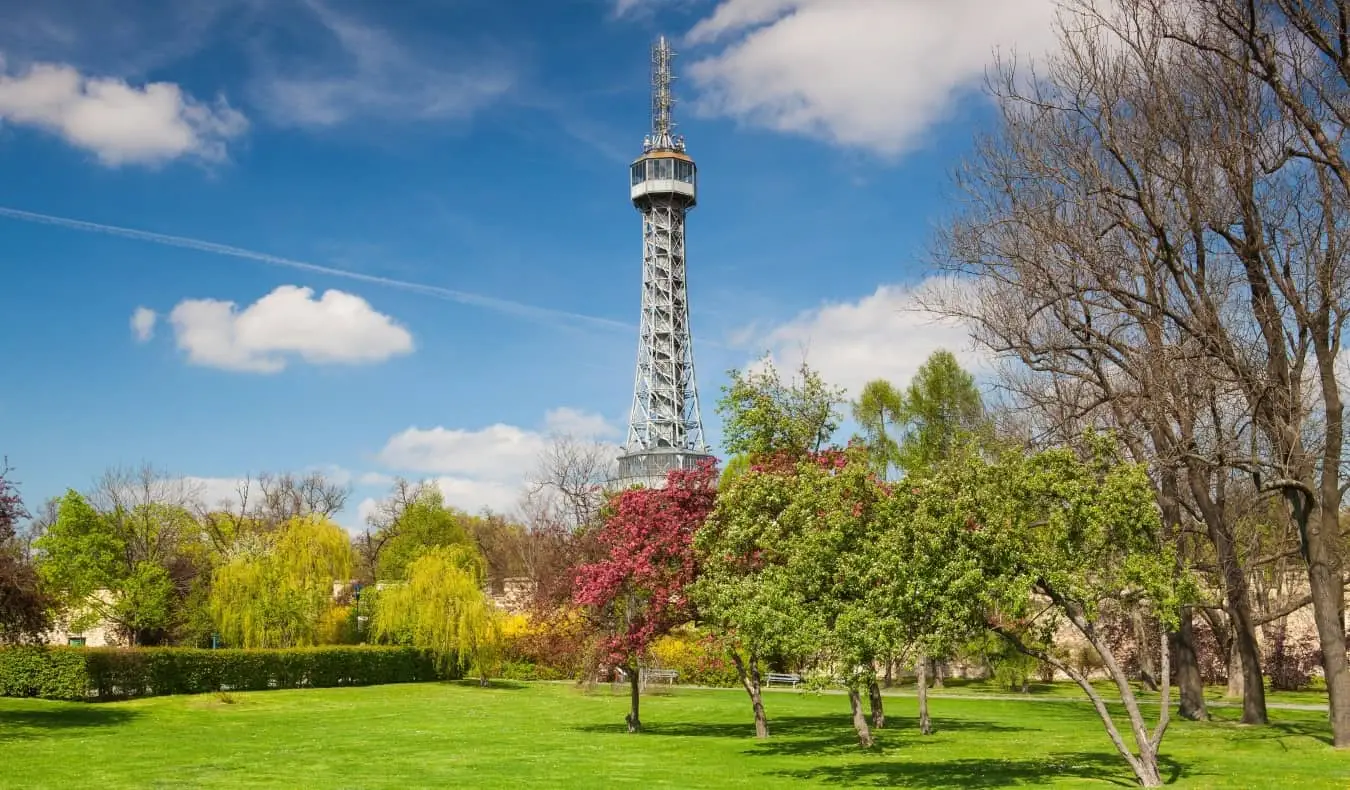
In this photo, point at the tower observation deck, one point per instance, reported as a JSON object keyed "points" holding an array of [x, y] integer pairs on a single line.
{"points": [[665, 427]]}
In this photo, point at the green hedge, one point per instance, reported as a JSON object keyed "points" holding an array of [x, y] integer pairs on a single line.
{"points": [[76, 673]]}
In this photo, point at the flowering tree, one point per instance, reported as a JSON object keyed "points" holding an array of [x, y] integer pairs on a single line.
{"points": [[636, 592]]}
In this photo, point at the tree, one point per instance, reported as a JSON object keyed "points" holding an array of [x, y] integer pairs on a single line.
{"points": [[279, 597], [940, 410], [833, 513], [1156, 222], [878, 411], [636, 592], [264, 503], [441, 605], [426, 522], [762, 414], [941, 413], [23, 604], [567, 486], [746, 589], [1054, 535]]}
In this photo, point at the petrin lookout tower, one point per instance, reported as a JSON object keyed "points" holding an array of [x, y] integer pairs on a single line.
{"points": [[665, 428]]}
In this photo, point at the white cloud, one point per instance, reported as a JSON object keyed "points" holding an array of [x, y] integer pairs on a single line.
{"points": [[143, 323], [337, 328], [885, 335], [375, 479], [495, 452], [473, 496], [365, 510], [216, 492], [119, 122], [874, 74], [487, 467], [578, 424], [377, 76]]}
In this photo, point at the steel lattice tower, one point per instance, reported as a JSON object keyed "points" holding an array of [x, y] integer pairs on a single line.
{"points": [[665, 428]]}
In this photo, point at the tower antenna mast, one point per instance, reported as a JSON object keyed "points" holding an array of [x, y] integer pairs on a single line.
{"points": [[663, 100]]}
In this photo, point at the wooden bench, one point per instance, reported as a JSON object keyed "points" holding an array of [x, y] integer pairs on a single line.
{"points": [[782, 677]]}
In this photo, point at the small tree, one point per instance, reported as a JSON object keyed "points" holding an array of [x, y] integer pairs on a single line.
{"points": [[636, 593], [442, 606], [279, 597], [1053, 535]]}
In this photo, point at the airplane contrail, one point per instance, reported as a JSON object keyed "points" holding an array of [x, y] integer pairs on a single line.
{"points": [[449, 294]]}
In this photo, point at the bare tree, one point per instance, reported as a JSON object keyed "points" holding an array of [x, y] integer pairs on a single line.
{"points": [[1170, 214], [568, 483], [148, 506], [284, 496]]}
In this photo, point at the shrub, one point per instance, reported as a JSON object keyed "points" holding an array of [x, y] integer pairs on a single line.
{"points": [[107, 673], [57, 673], [548, 646], [699, 659]]}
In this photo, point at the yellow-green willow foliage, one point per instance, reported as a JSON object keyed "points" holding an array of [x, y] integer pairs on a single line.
{"points": [[280, 596], [442, 606]]}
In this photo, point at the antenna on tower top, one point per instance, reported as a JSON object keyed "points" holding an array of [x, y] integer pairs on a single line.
{"points": [[663, 101]]}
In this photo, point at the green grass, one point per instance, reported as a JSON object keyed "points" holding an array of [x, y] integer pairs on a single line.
{"points": [[553, 735]]}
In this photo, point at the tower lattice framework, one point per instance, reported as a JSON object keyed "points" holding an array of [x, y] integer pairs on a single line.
{"points": [[665, 428]]}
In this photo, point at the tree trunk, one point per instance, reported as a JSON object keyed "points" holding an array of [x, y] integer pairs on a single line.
{"points": [[1236, 678], [1189, 681], [921, 669], [1324, 581], [890, 671], [1236, 594], [1148, 675], [859, 720], [750, 681], [937, 673], [878, 706], [634, 695]]}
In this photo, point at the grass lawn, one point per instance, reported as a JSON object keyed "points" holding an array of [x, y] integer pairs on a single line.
{"points": [[553, 735]]}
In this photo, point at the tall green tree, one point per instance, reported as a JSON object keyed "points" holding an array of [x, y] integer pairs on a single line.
{"points": [[280, 596], [93, 563], [880, 412], [941, 410]]}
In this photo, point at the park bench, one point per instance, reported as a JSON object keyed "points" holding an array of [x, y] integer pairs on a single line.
{"points": [[782, 677], [667, 675]]}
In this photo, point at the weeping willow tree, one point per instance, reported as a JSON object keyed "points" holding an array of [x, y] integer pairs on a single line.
{"points": [[280, 596], [442, 606]]}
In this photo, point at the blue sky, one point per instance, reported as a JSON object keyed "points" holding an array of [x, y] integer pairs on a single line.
{"points": [[456, 173]]}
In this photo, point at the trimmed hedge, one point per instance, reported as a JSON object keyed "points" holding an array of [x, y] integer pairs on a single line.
{"points": [[76, 673]]}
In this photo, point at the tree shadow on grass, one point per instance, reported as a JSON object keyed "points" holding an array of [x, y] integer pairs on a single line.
{"points": [[798, 735], [16, 724], [1279, 730], [983, 773]]}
